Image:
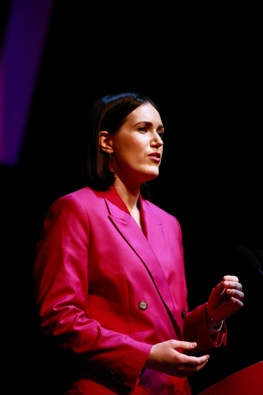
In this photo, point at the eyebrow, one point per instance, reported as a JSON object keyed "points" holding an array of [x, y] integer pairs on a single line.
{"points": [[161, 126]]}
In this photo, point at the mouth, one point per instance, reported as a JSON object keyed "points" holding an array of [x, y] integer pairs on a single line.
{"points": [[155, 156]]}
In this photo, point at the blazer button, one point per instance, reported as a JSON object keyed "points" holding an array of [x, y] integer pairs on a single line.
{"points": [[183, 314], [143, 305]]}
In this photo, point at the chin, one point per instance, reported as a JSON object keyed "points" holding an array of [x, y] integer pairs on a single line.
{"points": [[152, 175]]}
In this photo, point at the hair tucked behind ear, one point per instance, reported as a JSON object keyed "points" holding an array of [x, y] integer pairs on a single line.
{"points": [[109, 113]]}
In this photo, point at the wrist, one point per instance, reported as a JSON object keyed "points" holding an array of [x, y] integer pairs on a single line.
{"points": [[214, 323]]}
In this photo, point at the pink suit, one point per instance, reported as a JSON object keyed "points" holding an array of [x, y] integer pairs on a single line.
{"points": [[107, 291]]}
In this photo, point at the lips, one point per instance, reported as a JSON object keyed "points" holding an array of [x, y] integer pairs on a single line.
{"points": [[156, 156]]}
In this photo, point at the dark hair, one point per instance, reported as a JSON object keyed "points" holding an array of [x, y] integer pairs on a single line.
{"points": [[109, 113]]}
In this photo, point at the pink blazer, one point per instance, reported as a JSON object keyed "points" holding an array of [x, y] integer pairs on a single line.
{"points": [[108, 291]]}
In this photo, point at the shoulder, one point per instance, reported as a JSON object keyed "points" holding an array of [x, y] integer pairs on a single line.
{"points": [[81, 199], [84, 194]]}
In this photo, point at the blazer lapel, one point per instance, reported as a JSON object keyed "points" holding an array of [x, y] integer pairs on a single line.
{"points": [[146, 250]]}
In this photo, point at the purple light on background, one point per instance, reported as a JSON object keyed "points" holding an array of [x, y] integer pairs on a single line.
{"points": [[19, 62]]}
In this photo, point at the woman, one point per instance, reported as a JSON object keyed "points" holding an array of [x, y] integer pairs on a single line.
{"points": [[109, 270]]}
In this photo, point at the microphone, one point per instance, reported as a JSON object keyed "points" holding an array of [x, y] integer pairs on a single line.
{"points": [[252, 257], [259, 254]]}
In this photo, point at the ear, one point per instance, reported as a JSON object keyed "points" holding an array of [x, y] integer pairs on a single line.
{"points": [[105, 142]]}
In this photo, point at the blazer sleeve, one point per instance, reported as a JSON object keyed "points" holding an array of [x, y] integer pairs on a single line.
{"points": [[61, 287], [196, 329]]}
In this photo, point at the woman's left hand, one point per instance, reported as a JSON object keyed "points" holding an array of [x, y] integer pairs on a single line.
{"points": [[226, 298]]}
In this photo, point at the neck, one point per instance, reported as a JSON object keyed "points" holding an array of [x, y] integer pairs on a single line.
{"points": [[130, 196]]}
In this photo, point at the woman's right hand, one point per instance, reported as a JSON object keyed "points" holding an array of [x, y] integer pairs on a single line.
{"points": [[168, 357]]}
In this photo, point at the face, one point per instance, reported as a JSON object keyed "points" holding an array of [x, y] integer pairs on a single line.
{"points": [[137, 148]]}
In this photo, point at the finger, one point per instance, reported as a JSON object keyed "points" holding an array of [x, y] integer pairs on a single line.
{"points": [[194, 362], [237, 302], [230, 278], [219, 289], [183, 345], [235, 291], [233, 285]]}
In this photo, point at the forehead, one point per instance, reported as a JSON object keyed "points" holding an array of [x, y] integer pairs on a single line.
{"points": [[145, 113]]}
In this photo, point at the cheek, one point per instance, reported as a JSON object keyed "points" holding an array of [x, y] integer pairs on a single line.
{"points": [[139, 145], [132, 147]]}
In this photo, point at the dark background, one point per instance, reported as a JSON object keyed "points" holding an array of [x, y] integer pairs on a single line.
{"points": [[204, 69]]}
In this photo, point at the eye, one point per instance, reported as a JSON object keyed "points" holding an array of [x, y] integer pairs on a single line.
{"points": [[142, 129]]}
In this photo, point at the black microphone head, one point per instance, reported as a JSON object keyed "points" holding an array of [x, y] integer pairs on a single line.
{"points": [[259, 254], [250, 257]]}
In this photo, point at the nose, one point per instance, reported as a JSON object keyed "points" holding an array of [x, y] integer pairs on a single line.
{"points": [[157, 140]]}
